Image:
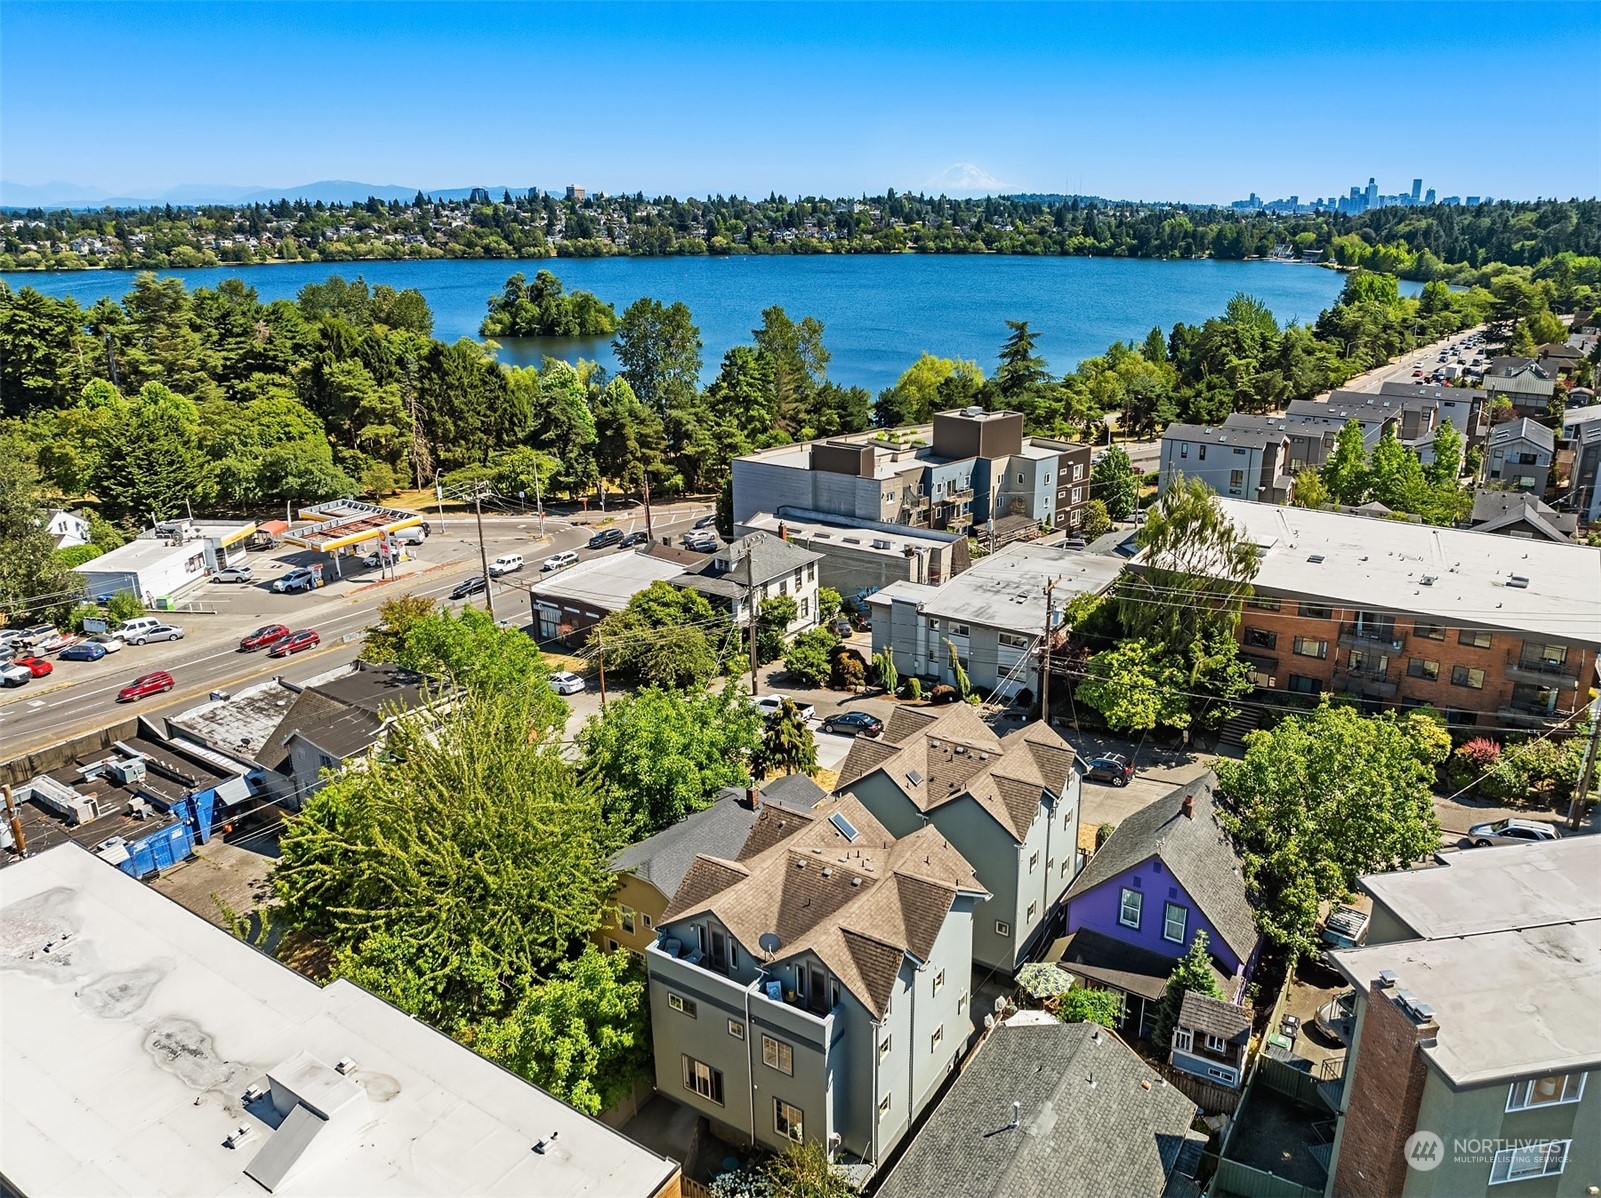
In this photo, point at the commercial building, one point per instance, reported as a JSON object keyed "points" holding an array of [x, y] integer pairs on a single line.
{"points": [[1404, 614], [165, 560], [858, 559], [1475, 1032], [1249, 457], [1519, 457], [146, 1052], [346, 527], [568, 603], [1009, 805]]}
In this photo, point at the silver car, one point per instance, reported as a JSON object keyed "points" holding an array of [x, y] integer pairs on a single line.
{"points": [[1513, 831], [161, 632]]}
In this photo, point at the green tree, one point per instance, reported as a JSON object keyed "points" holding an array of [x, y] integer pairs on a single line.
{"points": [[539, 309], [888, 676], [386, 640], [1022, 379], [1395, 476], [658, 348], [1345, 473], [959, 678], [1310, 491], [1097, 520], [787, 742], [1083, 1005], [1192, 972], [774, 616], [657, 756], [35, 584], [1114, 481], [470, 650], [664, 637], [803, 1170], [829, 603], [1448, 448], [1135, 688], [149, 460], [928, 385], [807, 662]]}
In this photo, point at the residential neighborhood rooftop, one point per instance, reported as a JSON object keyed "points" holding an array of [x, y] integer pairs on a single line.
{"points": [[1007, 589], [606, 582], [1522, 429], [1225, 434]]}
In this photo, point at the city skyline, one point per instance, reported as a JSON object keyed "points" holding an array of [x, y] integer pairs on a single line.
{"points": [[698, 99]]}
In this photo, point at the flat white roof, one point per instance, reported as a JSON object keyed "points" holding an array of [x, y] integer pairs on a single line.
{"points": [[822, 536], [141, 553], [1007, 589], [1382, 565], [133, 1030], [605, 582]]}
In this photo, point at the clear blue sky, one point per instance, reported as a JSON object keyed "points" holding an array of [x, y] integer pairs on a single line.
{"points": [[1197, 101]]}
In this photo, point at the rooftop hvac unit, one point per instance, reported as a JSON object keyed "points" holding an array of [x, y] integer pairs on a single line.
{"points": [[127, 771]]}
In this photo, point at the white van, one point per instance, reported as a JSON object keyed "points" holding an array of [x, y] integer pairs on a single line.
{"points": [[415, 535], [135, 628]]}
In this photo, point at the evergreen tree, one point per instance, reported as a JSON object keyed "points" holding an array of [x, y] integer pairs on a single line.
{"points": [[787, 741], [1193, 971], [1345, 473]]}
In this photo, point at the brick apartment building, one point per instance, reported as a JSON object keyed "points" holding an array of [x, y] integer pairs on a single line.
{"points": [[1493, 634]]}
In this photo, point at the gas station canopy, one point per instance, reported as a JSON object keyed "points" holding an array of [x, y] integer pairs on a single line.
{"points": [[343, 522]]}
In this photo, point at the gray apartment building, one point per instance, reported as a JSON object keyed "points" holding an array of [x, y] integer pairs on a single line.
{"points": [[816, 987], [1518, 456], [1247, 457], [860, 558], [1009, 805], [1466, 408], [1476, 1056], [1314, 424], [950, 475], [1523, 381]]}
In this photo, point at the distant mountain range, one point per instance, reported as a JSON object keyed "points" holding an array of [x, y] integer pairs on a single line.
{"points": [[329, 191]]}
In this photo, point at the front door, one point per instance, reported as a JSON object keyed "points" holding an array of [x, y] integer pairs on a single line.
{"points": [[719, 950]]}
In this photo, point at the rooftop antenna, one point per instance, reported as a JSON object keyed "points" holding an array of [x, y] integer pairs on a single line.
{"points": [[1017, 1111]]}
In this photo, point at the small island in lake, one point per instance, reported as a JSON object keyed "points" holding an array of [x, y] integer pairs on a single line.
{"points": [[541, 309]]}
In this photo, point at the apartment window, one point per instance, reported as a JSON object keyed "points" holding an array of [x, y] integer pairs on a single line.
{"points": [[1556, 1090], [1418, 667], [1003, 929], [884, 1047], [1078, 473], [933, 625], [788, 1120], [686, 1005], [1033, 910], [1174, 917], [939, 981], [1033, 861], [783, 587], [1184, 449], [1261, 638], [883, 1106], [1473, 639], [1215, 1043], [1531, 1160], [1236, 478], [961, 630], [1065, 861], [1305, 646], [1429, 632], [1315, 611], [626, 916], [1128, 911], [646, 918], [736, 1029], [1263, 603], [1202, 453], [1012, 640], [934, 1040], [1547, 655], [1078, 494], [1019, 476], [1463, 676], [961, 1004], [1300, 684], [778, 1055], [811, 571], [703, 1079], [612, 945], [1047, 477]]}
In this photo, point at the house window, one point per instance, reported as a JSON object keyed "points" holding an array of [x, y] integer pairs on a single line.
{"points": [[1315, 611], [939, 981], [1184, 449], [1305, 646], [1013, 640], [736, 1029], [1261, 638], [612, 945], [783, 587], [883, 1106], [1078, 473], [1019, 476], [788, 1120], [1531, 1160], [1236, 478], [686, 1005], [626, 915], [1078, 494], [1463, 676], [884, 1047], [1003, 929], [778, 1055], [961, 1003], [811, 571], [703, 1079], [1182, 1039], [934, 1040], [1128, 912], [1065, 861], [1033, 910], [1215, 1043], [1556, 1090], [1033, 861], [646, 918], [961, 630], [1473, 638], [1263, 603], [1429, 632], [1222, 1075], [1202, 453], [1174, 917]]}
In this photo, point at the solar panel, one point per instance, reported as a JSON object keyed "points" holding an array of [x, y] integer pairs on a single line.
{"points": [[846, 829], [915, 777]]}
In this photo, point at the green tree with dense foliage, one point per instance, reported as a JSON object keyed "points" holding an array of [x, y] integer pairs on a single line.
{"points": [[1084, 1005], [807, 662], [540, 309], [35, 583], [788, 745], [665, 637], [1115, 483], [1192, 972]]}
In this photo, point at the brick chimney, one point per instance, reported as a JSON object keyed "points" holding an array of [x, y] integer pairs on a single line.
{"points": [[1383, 1089], [753, 798], [1189, 807]]}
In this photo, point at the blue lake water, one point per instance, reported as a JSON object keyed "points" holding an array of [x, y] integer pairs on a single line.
{"points": [[879, 311]]}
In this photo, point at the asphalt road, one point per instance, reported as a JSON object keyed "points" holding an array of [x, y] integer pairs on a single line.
{"points": [[81, 696], [1400, 369]]}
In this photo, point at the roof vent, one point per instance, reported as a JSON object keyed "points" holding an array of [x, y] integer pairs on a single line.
{"points": [[1429, 579], [915, 777], [1521, 581], [1316, 559], [345, 1066], [856, 881], [975, 410], [828, 871]]}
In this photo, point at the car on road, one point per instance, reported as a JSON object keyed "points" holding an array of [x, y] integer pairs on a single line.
{"points": [[470, 586], [560, 561], [296, 642], [853, 723], [161, 632], [1109, 767], [707, 521], [1512, 831], [565, 683], [634, 538], [83, 651], [605, 538], [233, 574], [261, 638], [506, 563], [298, 579], [38, 667], [11, 674], [770, 704], [1336, 1018], [701, 542], [146, 684], [113, 641]]}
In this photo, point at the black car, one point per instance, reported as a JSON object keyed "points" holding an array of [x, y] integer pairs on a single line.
{"points": [[470, 586], [706, 521], [854, 723], [1112, 767], [634, 538], [606, 537]]}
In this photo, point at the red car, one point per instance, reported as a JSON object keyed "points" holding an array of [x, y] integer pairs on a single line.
{"points": [[306, 638], [35, 665], [269, 634], [147, 684]]}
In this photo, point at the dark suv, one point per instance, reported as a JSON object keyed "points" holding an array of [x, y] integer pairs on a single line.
{"points": [[1110, 767], [606, 537]]}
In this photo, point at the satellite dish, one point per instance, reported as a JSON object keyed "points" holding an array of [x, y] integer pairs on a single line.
{"points": [[769, 942]]}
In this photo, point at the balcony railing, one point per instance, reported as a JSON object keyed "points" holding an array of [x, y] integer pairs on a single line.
{"points": [[1368, 636], [1527, 715], [1331, 1081], [1372, 686], [1540, 672]]}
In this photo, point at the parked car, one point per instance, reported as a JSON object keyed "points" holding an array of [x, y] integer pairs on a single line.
{"points": [[1110, 767], [1512, 831], [113, 641], [565, 683], [506, 563], [605, 538], [707, 521], [378, 557], [298, 579], [38, 667], [469, 586], [295, 642], [33, 635], [560, 561], [634, 538], [854, 723], [83, 651], [769, 705], [145, 684], [11, 674], [132, 628], [701, 542], [841, 627], [261, 638], [1336, 1018], [161, 632], [233, 574]]}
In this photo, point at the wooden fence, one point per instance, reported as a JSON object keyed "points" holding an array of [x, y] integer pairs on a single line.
{"points": [[1242, 1181], [1297, 1084], [1210, 1097]]}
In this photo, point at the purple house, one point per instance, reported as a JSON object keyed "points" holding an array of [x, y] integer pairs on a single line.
{"points": [[1168, 872]]}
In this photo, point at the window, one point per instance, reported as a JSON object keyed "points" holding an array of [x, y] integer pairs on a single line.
{"points": [[1047, 477], [1182, 1039], [646, 918], [612, 945], [1128, 913], [1078, 494], [1222, 1075], [1261, 638], [1033, 861], [736, 1029], [961, 630], [1215, 1043], [626, 917], [1003, 929], [884, 1047], [1019, 476], [883, 1106], [934, 1040], [788, 1120], [1555, 1090], [1065, 861], [1300, 684], [961, 1003], [703, 1079], [778, 1055], [1305, 646], [1263, 603], [687, 1006], [1315, 611], [1531, 1160], [939, 981], [1202, 453], [1550, 655], [1463, 676], [1078, 473], [1429, 632], [1417, 667], [1033, 910], [1236, 478], [1184, 449], [1474, 639], [811, 571], [1012, 640], [1174, 917], [805, 608]]}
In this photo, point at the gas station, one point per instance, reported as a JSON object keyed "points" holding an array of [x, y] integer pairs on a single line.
{"points": [[343, 526]]}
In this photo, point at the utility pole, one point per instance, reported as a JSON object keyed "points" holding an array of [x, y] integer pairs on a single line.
{"points": [[750, 604], [644, 490], [1582, 792], [483, 554], [600, 659], [1045, 658], [439, 494]]}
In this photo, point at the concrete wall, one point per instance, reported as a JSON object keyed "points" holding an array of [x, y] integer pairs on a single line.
{"points": [[764, 486]]}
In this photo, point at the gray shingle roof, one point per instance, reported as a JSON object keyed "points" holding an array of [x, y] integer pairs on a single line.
{"points": [[1196, 851], [1215, 1017], [1523, 429], [1123, 1135]]}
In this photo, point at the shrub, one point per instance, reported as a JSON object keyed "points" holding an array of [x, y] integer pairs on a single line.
{"points": [[1471, 760], [77, 555], [913, 688], [1102, 834], [124, 606], [944, 693], [808, 659], [884, 669], [847, 670]]}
